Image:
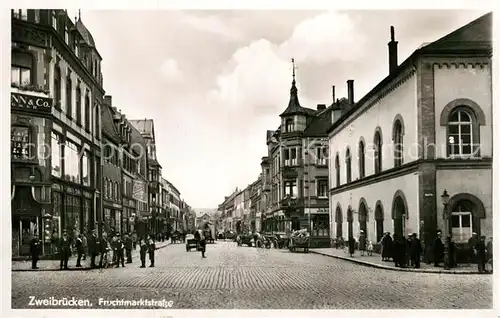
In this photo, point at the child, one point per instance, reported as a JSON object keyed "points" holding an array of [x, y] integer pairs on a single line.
{"points": [[369, 248]]}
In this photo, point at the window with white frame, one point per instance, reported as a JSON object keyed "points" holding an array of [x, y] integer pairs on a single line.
{"points": [[289, 125], [322, 188], [460, 137], [461, 222], [321, 154], [293, 157], [66, 34], [54, 20], [291, 189], [20, 14], [286, 156]]}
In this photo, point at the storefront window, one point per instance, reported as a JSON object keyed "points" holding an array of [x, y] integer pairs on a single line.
{"points": [[107, 220], [72, 222], [86, 168], [20, 139], [71, 163], [56, 155]]}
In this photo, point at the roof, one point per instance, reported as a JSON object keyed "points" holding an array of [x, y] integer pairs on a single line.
{"points": [[87, 37], [472, 38], [294, 104], [144, 126], [108, 126], [319, 125]]}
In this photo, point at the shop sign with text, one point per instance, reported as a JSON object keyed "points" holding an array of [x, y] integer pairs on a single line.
{"points": [[28, 102]]}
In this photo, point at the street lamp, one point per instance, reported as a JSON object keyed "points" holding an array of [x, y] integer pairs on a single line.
{"points": [[153, 219], [445, 197]]}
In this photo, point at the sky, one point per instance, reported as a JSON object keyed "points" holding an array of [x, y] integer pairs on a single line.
{"points": [[215, 81]]}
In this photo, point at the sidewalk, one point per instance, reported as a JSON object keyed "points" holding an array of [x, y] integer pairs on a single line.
{"points": [[376, 261], [53, 265]]}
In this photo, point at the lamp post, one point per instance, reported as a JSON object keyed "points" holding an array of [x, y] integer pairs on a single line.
{"points": [[153, 218], [445, 197]]}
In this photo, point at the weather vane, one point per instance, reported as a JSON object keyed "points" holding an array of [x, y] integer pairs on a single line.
{"points": [[293, 68]]}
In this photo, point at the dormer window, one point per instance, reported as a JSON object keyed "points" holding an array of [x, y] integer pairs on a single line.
{"points": [[289, 125], [66, 34]]}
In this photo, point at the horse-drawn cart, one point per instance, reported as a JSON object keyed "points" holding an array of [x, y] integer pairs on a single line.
{"points": [[191, 242], [299, 240]]}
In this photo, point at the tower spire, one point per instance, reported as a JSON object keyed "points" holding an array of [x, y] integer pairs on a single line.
{"points": [[79, 15], [293, 70]]}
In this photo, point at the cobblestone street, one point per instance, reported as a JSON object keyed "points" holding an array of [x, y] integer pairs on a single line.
{"points": [[244, 278]]}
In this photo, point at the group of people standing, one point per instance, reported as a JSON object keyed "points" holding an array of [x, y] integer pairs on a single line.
{"points": [[405, 252], [115, 246]]}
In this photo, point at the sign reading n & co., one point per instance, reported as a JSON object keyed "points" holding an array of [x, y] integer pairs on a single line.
{"points": [[22, 101]]}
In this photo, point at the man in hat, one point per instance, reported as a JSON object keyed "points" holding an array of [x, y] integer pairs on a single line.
{"points": [[471, 244], [35, 249], [481, 254], [362, 243], [79, 250], [415, 250], [438, 249], [64, 250], [128, 247]]}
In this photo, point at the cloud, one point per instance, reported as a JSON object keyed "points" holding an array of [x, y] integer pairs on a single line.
{"points": [[211, 24], [170, 69]]}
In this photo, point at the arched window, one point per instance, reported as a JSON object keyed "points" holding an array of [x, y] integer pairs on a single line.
{"points": [[377, 144], [361, 158], [69, 97], [348, 165], [379, 221], [398, 143], [87, 113], [462, 221], [57, 87], [337, 170], [78, 106], [338, 221], [460, 136]]}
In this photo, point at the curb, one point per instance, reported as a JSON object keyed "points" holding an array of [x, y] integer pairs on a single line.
{"points": [[72, 268], [352, 260]]}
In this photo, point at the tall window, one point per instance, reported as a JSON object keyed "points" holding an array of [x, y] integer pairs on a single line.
{"points": [[96, 119], [78, 106], [337, 170], [56, 155], [461, 221], [377, 144], [20, 14], [348, 165], [66, 33], [286, 156], [20, 142], [54, 20], [460, 141], [289, 125], [322, 188], [321, 156], [291, 188], [69, 98], [71, 162], [86, 168], [293, 156], [57, 87], [361, 155], [21, 69], [398, 143]]}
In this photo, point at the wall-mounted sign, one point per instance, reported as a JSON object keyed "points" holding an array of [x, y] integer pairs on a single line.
{"points": [[36, 103], [320, 210]]}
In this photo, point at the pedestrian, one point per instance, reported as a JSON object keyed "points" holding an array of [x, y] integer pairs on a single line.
{"points": [[451, 252], [64, 250], [35, 250], [114, 247], [489, 254], [408, 258], [438, 250], [79, 250], [128, 248], [85, 246], [396, 251], [471, 244], [202, 243], [362, 243], [95, 249], [119, 246], [143, 249], [481, 254], [415, 250], [134, 240], [151, 251], [386, 243], [352, 244]]}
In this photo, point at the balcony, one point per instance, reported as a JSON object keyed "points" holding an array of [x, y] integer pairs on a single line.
{"points": [[289, 172], [266, 188]]}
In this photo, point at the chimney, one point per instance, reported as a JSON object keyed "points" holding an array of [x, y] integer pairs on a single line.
{"points": [[350, 92], [393, 52], [321, 107], [333, 93], [108, 100]]}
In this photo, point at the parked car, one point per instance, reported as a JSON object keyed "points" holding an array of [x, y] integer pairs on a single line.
{"points": [[230, 235], [246, 239]]}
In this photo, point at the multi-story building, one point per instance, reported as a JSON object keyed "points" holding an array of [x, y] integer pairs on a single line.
{"points": [[146, 128], [256, 205], [175, 207], [191, 221], [56, 95], [422, 136], [246, 207], [239, 207], [298, 152], [265, 198], [227, 210]]}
